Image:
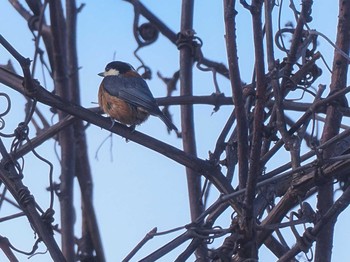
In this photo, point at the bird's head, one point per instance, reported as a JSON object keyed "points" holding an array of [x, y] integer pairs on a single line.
{"points": [[115, 68]]}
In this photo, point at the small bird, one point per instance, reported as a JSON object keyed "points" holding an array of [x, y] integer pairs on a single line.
{"points": [[125, 96]]}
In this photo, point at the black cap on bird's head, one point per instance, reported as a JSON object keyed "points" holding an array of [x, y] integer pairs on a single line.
{"points": [[116, 68]]}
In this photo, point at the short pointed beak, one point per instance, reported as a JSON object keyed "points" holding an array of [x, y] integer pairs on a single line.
{"points": [[101, 74]]}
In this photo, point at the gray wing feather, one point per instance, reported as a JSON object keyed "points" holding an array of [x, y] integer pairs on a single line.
{"points": [[132, 90], [136, 92]]}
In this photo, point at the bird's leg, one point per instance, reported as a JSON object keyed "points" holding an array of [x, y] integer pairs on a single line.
{"points": [[113, 121], [132, 128]]}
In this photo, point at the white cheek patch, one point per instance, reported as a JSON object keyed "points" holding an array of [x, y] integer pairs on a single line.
{"points": [[111, 72]]}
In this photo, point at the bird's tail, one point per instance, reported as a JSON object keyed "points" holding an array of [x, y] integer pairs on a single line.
{"points": [[168, 123]]}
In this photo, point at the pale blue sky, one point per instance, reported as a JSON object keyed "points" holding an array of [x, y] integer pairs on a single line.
{"points": [[140, 189]]}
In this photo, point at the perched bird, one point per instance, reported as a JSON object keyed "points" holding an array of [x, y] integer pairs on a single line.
{"points": [[125, 96]]}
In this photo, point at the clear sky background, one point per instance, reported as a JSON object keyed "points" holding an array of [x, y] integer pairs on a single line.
{"points": [[136, 189]]}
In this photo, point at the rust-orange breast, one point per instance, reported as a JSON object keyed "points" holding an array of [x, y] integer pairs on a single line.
{"points": [[120, 110]]}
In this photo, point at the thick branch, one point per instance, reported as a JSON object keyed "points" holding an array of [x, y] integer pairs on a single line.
{"points": [[66, 137], [90, 230], [324, 241], [255, 164], [236, 85], [187, 117]]}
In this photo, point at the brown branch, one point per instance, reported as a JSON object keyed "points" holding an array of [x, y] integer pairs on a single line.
{"points": [[187, 121], [250, 250], [10, 177], [324, 241], [66, 137], [34, 22], [90, 230], [24, 62], [220, 142], [171, 35], [302, 183], [43, 136], [309, 235], [167, 248], [148, 236], [5, 247], [296, 41], [273, 72], [215, 100], [20, 9], [309, 111], [236, 85], [187, 117]]}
